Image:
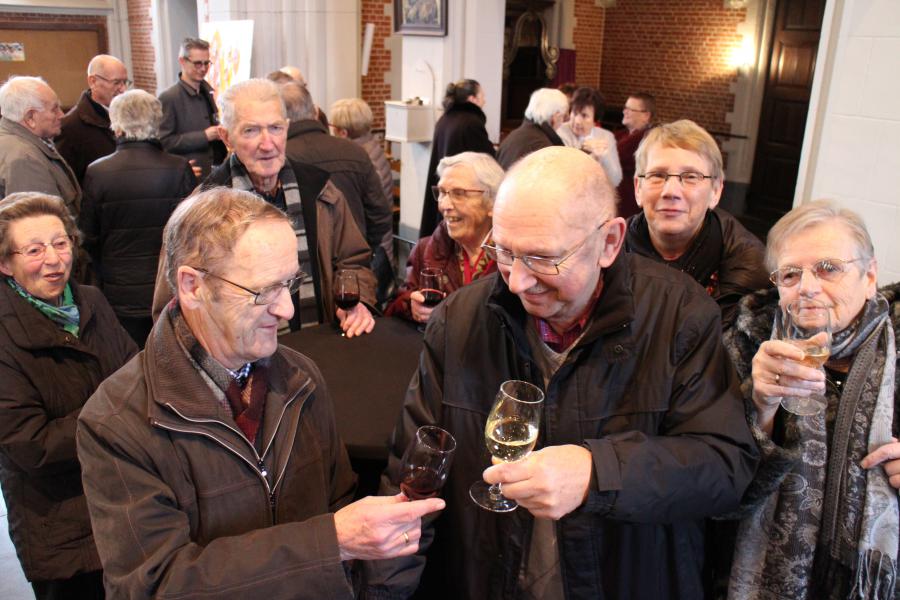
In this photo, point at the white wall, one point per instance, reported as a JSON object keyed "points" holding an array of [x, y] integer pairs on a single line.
{"points": [[473, 48], [320, 37], [851, 150]]}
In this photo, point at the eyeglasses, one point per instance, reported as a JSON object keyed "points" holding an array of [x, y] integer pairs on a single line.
{"points": [[268, 294], [116, 82], [827, 269], [456, 194], [657, 179], [629, 109], [539, 264], [37, 250], [199, 64]]}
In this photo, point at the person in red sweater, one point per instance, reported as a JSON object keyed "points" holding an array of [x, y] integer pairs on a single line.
{"points": [[637, 116]]}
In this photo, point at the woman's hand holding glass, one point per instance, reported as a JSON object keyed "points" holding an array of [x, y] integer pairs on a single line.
{"points": [[430, 293]]}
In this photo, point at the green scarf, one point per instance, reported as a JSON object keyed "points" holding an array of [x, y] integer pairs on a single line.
{"points": [[65, 315]]}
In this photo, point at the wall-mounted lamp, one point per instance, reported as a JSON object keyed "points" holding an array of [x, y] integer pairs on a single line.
{"points": [[743, 56]]}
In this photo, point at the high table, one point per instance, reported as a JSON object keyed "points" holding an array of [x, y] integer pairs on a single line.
{"points": [[367, 377]]}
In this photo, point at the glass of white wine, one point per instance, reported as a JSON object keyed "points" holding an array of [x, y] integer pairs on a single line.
{"points": [[806, 324], [510, 434]]}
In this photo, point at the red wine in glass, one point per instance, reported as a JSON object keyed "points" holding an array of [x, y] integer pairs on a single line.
{"points": [[426, 462], [431, 285], [432, 297], [346, 290], [420, 482]]}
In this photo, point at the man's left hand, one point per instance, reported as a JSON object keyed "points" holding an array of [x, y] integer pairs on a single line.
{"points": [[888, 456], [356, 321], [550, 483]]}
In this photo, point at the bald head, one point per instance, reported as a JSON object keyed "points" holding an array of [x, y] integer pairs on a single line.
{"points": [[294, 73], [107, 78], [559, 181]]}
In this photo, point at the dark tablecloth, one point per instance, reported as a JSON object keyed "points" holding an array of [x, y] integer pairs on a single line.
{"points": [[367, 377]]}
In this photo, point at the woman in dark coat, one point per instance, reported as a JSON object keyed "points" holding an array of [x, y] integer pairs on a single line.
{"points": [[460, 129], [58, 342], [128, 197]]}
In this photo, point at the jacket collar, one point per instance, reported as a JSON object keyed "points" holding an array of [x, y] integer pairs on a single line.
{"points": [[614, 310], [31, 330], [122, 143], [205, 88], [304, 126], [311, 180], [23, 133], [176, 383], [92, 113]]}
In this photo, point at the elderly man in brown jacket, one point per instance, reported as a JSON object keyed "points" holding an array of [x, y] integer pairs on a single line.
{"points": [[254, 127]]}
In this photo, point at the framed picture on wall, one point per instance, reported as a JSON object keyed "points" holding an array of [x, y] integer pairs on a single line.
{"points": [[420, 17]]}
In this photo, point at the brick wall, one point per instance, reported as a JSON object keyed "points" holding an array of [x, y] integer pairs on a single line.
{"points": [[588, 39], [678, 51], [140, 25], [375, 88]]}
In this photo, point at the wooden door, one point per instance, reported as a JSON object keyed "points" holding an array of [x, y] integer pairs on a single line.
{"points": [[792, 61]]}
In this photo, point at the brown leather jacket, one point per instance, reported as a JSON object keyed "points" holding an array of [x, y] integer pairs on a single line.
{"points": [[184, 506]]}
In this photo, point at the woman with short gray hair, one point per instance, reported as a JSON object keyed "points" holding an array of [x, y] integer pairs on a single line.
{"points": [[821, 517], [465, 197], [128, 197]]}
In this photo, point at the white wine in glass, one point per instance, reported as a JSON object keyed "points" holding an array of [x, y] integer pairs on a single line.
{"points": [[806, 324], [510, 434]]}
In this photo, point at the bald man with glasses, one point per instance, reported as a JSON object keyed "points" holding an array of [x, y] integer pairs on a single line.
{"points": [[642, 434]]}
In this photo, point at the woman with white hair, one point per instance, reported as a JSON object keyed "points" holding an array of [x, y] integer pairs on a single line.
{"points": [[546, 111], [821, 517], [128, 197], [464, 196]]}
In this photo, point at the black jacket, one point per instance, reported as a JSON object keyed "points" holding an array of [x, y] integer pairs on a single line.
{"points": [[648, 389], [351, 170], [460, 129], [128, 197], [741, 269], [48, 375], [186, 115], [85, 135], [525, 139]]}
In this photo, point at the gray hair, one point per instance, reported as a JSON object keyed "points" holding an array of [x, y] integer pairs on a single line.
{"points": [[189, 44], [136, 114], [257, 90], [20, 94], [204, 229], [544, 103], [298, 102], [488, 173], [352, 114], [813, 214], [22, 205]]}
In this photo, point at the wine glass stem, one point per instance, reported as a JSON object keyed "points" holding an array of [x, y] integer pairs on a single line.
{"points": [[495, 492]]}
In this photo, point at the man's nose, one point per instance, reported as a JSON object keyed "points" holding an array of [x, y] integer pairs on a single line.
{"points": [[521, 277], [809, 284], [283, 306]]}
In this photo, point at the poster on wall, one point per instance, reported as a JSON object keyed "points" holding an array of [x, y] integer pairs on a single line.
{"points": [[230, 46], [12, 51]]}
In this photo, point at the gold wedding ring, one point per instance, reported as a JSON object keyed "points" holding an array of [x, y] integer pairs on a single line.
{"points": [[405, 538]]}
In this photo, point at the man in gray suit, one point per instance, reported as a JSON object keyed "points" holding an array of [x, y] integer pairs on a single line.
{"points": [[29, 161], [190, 125]]}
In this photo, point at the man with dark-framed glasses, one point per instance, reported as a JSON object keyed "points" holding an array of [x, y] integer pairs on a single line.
{"points": [[211, 462], [642, 434], [678, 185]]}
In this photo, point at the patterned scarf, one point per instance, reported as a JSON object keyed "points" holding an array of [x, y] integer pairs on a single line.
{"points": [[66, 315], [831, 527]]}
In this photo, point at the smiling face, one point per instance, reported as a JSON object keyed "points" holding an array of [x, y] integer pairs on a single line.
{"points": [[468, 219], [583, 121], [844, 297], [45, 278], [675, 212], [635, 115], [258, 138], [224, 318]]}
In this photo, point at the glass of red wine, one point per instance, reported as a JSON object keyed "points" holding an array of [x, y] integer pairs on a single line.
{"points": [[431, 285], [426, 463], [346, 289]]}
